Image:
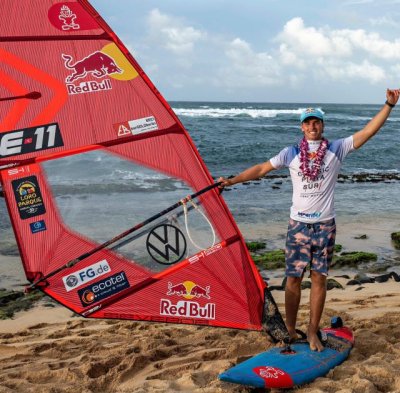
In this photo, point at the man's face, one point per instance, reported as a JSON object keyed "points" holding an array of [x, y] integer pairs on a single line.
{"points": [[312, 128]]}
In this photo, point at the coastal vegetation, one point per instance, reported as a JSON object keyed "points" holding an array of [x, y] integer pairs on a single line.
{"points": [[13, 301]]}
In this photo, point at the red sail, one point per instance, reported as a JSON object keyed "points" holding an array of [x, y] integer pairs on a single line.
{"points": [[78, 114]]}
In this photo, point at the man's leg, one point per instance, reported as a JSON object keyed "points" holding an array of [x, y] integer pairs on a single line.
{"points": [[292, 302], [323, 247], [297, 257], [317, 302]]}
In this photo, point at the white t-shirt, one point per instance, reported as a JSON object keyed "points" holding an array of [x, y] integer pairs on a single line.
{"points": [[313, 201]]}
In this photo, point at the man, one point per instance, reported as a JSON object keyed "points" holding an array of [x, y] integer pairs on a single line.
{"points": [[314, 165]]}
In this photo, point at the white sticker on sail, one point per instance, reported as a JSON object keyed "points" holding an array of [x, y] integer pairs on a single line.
{"points": [[85, 275], [145, 124]]}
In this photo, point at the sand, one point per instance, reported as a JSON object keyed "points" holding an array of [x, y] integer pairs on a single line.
{"points": [[50, 350]]}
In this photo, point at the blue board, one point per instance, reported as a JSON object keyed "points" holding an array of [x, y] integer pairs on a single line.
{"points": [[276, 369]]}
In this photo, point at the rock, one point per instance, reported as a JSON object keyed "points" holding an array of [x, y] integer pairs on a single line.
{"points": [[343, 276], [383, 278], [13, 301], [387, 276], [353, 259], [396, 239], [361, 237], [354, 282], [364, 279], [9, 296], [306, 285], [395, 276], [331, 283]]}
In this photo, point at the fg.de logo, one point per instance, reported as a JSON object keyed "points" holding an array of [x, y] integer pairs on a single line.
{"points": [[85, 275]]}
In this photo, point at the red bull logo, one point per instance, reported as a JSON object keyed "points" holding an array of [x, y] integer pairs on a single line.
{"points": [[109, 62], [186, 308], [98, 64], [189, 290]]}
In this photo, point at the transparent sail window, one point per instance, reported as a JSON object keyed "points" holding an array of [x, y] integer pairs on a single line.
{"points": [[100, 195]]}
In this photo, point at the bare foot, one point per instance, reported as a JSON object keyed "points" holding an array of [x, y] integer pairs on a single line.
{"points": [[293, 335], [315, 343]]}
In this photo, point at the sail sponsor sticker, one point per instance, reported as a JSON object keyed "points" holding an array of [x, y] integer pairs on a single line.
{"points": [[30, 140], [188, 308], [103, 289], [85, 275], [70, 17], [37, 226], [28, 197], [93, 73], [135, 127]]}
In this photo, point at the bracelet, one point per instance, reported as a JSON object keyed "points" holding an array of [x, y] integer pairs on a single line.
{"points": [[389, 104]]}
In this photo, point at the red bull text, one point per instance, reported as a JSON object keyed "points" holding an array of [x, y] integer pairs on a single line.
{"points": [[89, 87], [187, 309]]}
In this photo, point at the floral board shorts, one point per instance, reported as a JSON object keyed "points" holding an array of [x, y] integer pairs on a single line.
{"points": [[309, 244]]}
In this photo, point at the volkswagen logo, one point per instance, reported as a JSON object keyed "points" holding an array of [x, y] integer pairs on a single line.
{"points": [[166, 244]]}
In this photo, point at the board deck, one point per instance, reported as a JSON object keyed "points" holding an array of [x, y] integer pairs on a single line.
{"points": [[276, 369]]}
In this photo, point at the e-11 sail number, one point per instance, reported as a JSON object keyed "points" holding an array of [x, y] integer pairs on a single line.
{"points": [[29, 140]]}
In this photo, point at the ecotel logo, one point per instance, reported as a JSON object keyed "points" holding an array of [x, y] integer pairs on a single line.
{"points": [[86, 275]]}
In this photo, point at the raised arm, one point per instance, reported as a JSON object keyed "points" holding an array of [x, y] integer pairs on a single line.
{"points": [[374, 125], [251, 173]]}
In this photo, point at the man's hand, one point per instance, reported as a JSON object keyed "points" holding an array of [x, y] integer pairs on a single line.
{"points": [[374, 125], [392, 96], [225, 182]]}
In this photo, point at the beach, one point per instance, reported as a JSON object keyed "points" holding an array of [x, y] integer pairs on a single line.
{"points": [[48, 349]]}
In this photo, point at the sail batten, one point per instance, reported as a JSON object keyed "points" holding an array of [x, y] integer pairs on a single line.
{"points": [[77, 37]]}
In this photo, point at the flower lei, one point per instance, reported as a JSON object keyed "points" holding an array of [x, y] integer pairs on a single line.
{"points": [[313, 172]]}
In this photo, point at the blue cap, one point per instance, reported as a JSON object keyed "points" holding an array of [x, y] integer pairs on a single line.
{"points": [[311, 112]]}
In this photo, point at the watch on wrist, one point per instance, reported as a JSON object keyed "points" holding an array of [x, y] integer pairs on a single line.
{"points": [[389, 104]]}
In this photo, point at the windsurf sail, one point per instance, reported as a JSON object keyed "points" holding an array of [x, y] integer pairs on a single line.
{"points": [[89, 151]]}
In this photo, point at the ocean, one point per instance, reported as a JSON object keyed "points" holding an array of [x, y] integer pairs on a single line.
{"points": [[234, 136], [100, 196]]}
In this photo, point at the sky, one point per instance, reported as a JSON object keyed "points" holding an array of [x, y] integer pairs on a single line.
{"points": [[305, 51]]}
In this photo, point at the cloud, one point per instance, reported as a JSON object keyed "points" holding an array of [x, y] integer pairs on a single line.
{"points": [[247, 68], [298, 56], [310, 41], [343, 54], [372, 44], [384, 21], [172, 34], [365, 70]]}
